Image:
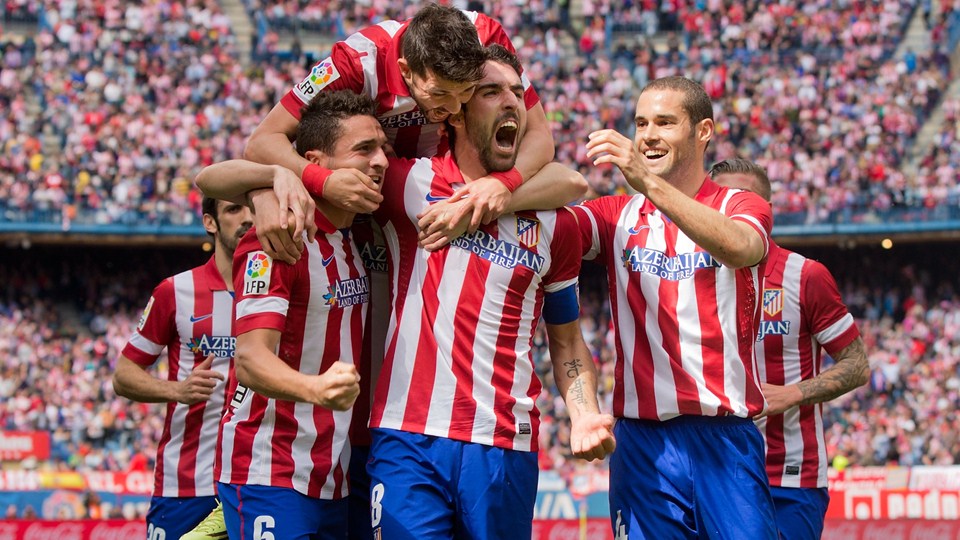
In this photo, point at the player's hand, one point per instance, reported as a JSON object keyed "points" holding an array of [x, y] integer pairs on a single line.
{"points": [[352, 191], [608, 146], [442, 222], [780, 398], [278, 241], [591, 436], [295, 201], [487, 199], [338, 387], [199, 385]]}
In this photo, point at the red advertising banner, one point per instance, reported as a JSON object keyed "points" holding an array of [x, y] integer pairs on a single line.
{"points": [[873, 504], [907, 529], [72, 530], [135, 483], [20, 445], [569, 529]]}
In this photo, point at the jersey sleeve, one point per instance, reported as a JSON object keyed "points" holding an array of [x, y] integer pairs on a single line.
{"points": [[827, 316], [491, 32], [751, 209], [261, 287], [156, 328], [339, 71], [561, 303], [597, 220]]}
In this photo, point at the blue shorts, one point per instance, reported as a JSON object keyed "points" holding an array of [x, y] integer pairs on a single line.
{"points": [[690, 477], [176, 516], [426, 488], [800, 511], [359, 521], [257, 512]]}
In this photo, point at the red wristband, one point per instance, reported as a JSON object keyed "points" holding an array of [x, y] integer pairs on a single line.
{"points": [[313, 177], [512, 178]]}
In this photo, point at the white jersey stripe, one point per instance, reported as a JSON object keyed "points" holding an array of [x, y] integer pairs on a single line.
{"points": [[835, 330], [145, 345], [273, 304]]}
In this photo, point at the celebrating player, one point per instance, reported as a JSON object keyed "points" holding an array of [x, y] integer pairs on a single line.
{"points": [[682, 261], [191, 314], [420, 72], [299, 335], [802, 314], [454, 420]]}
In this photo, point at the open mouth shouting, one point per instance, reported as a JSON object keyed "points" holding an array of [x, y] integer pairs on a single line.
{"points": [[506, 135]]}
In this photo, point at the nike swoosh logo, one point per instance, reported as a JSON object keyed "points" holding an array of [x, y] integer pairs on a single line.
{"points": [[326, 260], [636, 230], [200, 318], [434, 198]]}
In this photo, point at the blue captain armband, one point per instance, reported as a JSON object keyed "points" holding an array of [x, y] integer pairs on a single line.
{"points": [[561, 307]]}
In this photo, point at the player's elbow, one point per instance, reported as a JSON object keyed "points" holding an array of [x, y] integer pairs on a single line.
{"points": [[120, 387], [243, 362]]}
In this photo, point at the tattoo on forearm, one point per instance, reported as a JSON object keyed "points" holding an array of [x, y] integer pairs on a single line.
{"points": [[848, 373], [573, 368], [576, 392]]}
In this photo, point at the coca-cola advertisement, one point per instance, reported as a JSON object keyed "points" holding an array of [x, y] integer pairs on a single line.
{"points": [[572, 529]]}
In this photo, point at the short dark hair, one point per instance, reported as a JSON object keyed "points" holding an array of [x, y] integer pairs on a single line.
{"points": [[744, 166], [499, 53], [208, 205], [321, 120], [443, 40], [696, 102]]}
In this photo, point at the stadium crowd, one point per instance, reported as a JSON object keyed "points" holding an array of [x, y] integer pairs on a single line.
{"points": [[130, 99], [61, 330]]}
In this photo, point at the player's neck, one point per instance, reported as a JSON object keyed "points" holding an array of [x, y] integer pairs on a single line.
{"points": [[689, 182], [468, 161], [224, 261], [338, 217]]}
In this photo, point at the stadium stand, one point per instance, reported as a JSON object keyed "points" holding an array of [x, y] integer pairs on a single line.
{"points": [[109, 109]]}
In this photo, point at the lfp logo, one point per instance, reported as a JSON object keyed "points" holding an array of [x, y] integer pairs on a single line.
{"points": [[256, 280], [323, 72]]}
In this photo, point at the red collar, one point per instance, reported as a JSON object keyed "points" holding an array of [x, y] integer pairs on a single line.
{"points": [[212, 275], [323, 224], [707, 190], [773, 255], [446, 169]]}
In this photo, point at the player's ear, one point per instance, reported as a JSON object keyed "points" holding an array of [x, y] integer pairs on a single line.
{"points": [[210, 224], [456, 120], [318, 158], [405, 70], [705, 130]]}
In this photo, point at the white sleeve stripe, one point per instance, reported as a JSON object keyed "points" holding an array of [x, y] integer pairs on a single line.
{"points": [[835, 330], [145, 345], [763, 233], [560, 285], [594, 236], [253, 306]]}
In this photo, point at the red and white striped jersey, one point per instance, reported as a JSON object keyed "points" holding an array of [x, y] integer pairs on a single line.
{"points": [[366, 63], [368, 238], [318, 305], [685, 324], [458, 360], [801, 312], [191, 314]]}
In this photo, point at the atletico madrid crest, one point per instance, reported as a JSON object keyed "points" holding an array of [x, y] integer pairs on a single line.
{"points": [[528, 231], [772, 301]]}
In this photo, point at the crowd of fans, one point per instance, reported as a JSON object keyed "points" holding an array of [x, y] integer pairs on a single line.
{"points": [[130, 99], [63, 324]]}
